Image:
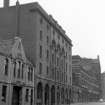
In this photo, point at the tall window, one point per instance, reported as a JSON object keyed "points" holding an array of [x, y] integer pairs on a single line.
{"points": [[4, 91], [31, 96], [27, 94], [47, 70], [57, 61], [19, 69], [47, 39], [6, 66], [41, 35], [22, 70], [48, 27], [53, 32], [41, 20], [29, 73], [47, 55], [40, 51], [52, 58], [66, 67], [14, 69], [40, 68]]}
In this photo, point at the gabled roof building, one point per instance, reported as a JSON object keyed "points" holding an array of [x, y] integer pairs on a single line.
{"points": [[16, 74]]}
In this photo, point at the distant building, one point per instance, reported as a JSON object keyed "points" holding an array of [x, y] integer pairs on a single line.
{"points": [[16, 74], [86, 79], [103, 85], [46, 45]]}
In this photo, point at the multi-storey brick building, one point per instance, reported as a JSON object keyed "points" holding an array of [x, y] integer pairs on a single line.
{"points": [[86, 79], [46, 45], [16, 74]]}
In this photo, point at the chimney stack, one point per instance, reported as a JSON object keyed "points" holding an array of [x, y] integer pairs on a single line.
{"points": [[6, 3]]}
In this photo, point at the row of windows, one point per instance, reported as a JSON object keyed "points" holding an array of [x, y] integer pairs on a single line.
{"points": [[47, 39], [47, 55], [58, 76], [18, 70], [48, 27]]}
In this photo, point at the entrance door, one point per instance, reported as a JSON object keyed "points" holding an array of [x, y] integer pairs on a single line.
{"points": [[17, 95]]}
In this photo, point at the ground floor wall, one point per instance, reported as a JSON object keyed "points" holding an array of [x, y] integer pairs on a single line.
{"points": [[84, 95], [13, 94], [49, 92], [44, 92]]}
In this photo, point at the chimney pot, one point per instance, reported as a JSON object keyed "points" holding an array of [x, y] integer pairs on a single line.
{"points": [[6, 3]]}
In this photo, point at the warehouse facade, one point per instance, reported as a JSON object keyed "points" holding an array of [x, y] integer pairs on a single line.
{"points": [[46, 46]]}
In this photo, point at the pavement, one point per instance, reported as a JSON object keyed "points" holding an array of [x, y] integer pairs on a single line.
{"points": [[89, 103]]}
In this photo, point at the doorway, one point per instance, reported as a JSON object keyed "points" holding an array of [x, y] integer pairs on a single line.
{"points": [[17, 95]]}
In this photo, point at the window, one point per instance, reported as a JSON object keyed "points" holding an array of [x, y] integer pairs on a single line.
{"points": [[19, 69], [66, 78], [53, 32], [57, 75], [40, 68], [14, 69], [40, 51], [58, 36], [66, 67], [62, 40], [41, 35], [4, 91], [66, 55], [47, 55], [27, 94], [48, 27], [41, 20], [52, 58], [47, 71], [47, 39], [31, 74], [53, 73], [22, 70], [6, 66], [57, 61], [31, 96]]}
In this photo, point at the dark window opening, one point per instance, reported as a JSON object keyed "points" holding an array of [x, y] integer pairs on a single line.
{"points": [[6, 66], [27, 94], [4, 90]]}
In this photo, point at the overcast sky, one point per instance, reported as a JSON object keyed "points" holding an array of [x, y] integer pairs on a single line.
{"points": [[83, 21]]}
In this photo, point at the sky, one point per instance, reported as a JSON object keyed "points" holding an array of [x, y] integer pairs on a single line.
{"points": [[83, 21]]}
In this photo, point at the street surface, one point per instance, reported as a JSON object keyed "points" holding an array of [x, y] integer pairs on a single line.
{"points": [[93, 103]]}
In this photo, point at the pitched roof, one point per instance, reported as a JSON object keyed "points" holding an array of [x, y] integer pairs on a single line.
{"points": [[13, 48]]}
